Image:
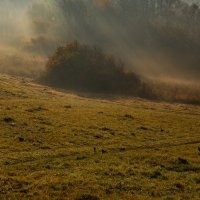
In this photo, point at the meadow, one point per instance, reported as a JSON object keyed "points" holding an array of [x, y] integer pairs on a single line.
{"points": [[58, 145]]}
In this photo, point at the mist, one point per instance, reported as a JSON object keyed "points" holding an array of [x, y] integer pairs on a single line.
{"points": [[15, 30], [155, 39]]}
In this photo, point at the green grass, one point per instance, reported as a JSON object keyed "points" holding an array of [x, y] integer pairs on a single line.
{"points": [[56, 145]]}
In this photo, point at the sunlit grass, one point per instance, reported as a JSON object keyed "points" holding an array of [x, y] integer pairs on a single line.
{"points": [[56, 145]]}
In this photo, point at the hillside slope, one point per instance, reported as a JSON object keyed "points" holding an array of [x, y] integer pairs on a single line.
{"points": [[56, 145]]}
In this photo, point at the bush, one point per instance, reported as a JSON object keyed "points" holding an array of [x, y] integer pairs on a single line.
{"points": [[83, 68]]}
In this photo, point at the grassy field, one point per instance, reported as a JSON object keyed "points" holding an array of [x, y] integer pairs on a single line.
{"points": [[56, 145]]}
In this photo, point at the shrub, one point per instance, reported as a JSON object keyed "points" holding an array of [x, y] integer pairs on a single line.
{"points": [[87, 69]]}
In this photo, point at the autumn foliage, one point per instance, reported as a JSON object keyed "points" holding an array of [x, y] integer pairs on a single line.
{"points": [[83, 68]]}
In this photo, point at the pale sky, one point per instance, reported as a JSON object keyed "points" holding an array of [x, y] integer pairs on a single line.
{"points": [[192, 1]]}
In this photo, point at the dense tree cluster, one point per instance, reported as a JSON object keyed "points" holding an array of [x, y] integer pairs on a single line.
{"points": [[171, 12], [167, 31]]}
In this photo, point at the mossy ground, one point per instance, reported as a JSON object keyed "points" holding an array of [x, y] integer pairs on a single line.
{"points": [[56, 145]]}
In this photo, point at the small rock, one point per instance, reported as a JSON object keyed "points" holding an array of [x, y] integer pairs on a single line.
{"points": [[183, 161], [8, 119], [112, 133], [67, 106], [98, 136], [103, 151], [105, 129], [21, 139], [143, 128], [133, 134], [87, 197], [122, 149], [128, 116], [13, 124], [179, 186]]}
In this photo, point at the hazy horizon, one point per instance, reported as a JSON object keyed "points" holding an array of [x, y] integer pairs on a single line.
{"points": [[31, 31]]}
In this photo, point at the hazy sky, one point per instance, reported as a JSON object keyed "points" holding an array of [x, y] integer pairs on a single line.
{"points": [[49, 1], [192, 1]]}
